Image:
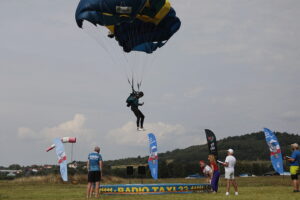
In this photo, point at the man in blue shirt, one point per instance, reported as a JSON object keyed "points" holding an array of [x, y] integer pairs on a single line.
{"points": [[94, 166], [294, 165]]}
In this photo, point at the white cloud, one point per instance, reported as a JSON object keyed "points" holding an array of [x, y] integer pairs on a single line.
{"points": [[74, 128], [128, 135], [194, 92], [24, 132], [169, 136], [291, 116], [224, 100]]}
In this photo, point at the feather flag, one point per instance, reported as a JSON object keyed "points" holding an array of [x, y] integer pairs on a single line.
{"points": [[62, 158], [211, 142], [275, 152], [153, 158]]}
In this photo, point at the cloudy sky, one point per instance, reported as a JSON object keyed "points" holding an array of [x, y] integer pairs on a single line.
{"points": [[233, 67]]}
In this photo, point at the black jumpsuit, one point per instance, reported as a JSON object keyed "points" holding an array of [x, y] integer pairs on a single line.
{"points": [[139, 115]]}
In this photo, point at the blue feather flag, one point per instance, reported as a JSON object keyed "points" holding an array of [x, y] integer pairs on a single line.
{"points": [[275, 152], [153, 158]]}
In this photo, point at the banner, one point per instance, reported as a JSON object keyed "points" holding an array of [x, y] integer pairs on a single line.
{"points": [[275, 152], [170, 188], [211, 142], [153, 158], [62, 158]]}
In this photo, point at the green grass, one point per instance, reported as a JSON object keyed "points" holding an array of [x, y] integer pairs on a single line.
{"points": [[275, 188]]}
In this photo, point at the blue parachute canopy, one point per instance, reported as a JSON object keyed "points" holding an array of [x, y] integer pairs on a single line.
{"points": [[145, 36], [107, 12], [137, 25]]}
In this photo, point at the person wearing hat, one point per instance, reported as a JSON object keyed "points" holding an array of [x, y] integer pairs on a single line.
{"points": [[294, 161], [229, 164], [94, 167]]}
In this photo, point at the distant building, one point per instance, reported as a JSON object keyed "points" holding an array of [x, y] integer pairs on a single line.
{"points": [[11, 174], [10, 171], [73, 166]]}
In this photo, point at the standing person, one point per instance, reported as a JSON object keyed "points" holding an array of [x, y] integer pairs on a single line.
{"points": [[216, 173], [206, 170], [133, 101], [294, 165], [229, 164], [94, 166]]}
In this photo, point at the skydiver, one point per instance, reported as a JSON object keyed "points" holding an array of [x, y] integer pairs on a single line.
{"points": [[133, 101]]}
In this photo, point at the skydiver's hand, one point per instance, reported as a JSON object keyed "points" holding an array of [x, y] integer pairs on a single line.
{"points": [[142, 103]]}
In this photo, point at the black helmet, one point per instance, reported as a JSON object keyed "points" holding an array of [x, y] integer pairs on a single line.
{"points": [[141, 93]]}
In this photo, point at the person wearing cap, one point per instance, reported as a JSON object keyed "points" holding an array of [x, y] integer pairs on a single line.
{"points": [[206, 170], [294, 161], [94, 166], [229, 164]]}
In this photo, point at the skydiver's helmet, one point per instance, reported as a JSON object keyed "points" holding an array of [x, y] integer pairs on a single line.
{"points": [[141, 94]]}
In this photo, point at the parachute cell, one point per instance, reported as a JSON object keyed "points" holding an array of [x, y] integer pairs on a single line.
{"points": [[107, 12], [137, 25]]}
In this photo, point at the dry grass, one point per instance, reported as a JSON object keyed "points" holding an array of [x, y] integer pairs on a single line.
{"points": [[51, 188], [56, 179]]}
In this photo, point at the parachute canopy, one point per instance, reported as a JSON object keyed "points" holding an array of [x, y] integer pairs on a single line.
{"points": [[137, 25]]}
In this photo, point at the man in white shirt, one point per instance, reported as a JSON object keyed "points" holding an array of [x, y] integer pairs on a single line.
{"points": [[229, 164]]}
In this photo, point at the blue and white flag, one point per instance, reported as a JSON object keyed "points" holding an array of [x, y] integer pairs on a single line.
{"points": [[275, 152], [62, 158], [153, 158]]}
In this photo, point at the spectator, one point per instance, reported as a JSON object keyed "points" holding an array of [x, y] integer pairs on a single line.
{"points": [[216, 173], [94, 166], [294, 161], [206, 170], [229, 165]]}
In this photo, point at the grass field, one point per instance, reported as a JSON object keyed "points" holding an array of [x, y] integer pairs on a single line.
{"points": [[253, 188]]}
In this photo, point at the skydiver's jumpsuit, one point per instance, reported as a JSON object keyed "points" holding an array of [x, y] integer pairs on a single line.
{"points": [[139, 115]]}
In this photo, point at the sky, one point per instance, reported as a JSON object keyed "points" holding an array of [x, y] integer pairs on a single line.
{"points": [[233, 67]]}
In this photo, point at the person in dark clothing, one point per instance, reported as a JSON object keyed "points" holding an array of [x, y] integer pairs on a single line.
{"points": [[133, 102]]}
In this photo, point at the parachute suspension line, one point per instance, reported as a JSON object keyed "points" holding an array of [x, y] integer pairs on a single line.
{"points": [[131, 62], [101, 42], [109, 50], [113, 51]]}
